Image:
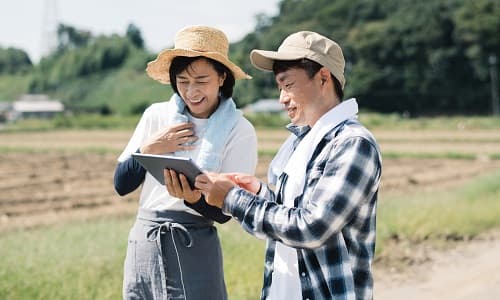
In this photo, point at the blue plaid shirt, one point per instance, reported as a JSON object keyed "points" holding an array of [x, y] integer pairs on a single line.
{"points": [[332, 225]]}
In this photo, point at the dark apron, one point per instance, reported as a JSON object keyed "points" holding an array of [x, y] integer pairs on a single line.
{"points": [[173, 255]]}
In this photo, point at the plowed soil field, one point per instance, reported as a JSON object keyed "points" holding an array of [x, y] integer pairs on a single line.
{"points": [[48, 177]]}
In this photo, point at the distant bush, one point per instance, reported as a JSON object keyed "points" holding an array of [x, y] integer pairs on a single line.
{"points": [[267, 120], [105, 53], [79, 121], [14, 61]]}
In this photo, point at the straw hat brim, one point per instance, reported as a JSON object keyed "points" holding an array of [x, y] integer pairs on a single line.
{"points": [[158, 69]]}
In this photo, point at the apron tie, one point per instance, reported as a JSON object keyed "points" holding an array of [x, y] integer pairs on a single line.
{"points": [[154, 235]]}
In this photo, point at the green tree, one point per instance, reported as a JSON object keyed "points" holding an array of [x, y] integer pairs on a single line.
{"points": [[478, 31], [135, 36], [13, 60], [69, 37]]}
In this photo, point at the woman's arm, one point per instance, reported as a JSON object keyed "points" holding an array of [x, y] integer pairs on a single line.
{"points": [[129, 175]]}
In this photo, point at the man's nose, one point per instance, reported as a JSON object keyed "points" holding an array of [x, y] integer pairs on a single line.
{"points": [[283, 97]]}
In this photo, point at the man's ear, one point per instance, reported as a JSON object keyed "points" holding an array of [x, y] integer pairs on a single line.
{"points": [[324, 75]]}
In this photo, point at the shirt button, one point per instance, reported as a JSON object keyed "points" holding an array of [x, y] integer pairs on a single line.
{"points": [[303, 275], [236, 218]]}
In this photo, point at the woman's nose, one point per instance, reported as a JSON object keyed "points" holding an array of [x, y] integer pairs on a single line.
{"points": [[191, 90]]}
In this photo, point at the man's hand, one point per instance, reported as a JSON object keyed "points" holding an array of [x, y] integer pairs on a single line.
{"points": [[215, 187], [170, 139], [178, 186], [247, 182]]}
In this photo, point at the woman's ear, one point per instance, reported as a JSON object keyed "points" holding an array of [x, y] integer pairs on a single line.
{"points": [[222, 79]]}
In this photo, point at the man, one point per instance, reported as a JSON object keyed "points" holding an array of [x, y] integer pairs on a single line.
{"points": [[320, 222]]}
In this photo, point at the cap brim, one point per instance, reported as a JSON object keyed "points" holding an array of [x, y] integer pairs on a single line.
{"points": [[263, 59]]}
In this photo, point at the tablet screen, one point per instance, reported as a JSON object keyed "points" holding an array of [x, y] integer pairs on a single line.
{"points": [[155, 164]]}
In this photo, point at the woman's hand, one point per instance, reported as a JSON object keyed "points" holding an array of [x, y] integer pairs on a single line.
{"points": [[178, 186], [170, 139]]}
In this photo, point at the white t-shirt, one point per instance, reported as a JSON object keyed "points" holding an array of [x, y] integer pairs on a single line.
{"points": [[239, 154]]}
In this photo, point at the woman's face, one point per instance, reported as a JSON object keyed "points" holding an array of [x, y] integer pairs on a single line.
{"points": [[199, 86]]}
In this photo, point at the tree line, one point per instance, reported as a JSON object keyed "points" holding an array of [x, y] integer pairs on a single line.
{"points": [[415, 57]]}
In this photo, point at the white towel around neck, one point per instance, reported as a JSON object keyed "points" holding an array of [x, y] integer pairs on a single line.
{"points": [[294, 163]]}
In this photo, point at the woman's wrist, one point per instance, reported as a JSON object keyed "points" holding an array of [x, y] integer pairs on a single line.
{"points": [[194, 201]]}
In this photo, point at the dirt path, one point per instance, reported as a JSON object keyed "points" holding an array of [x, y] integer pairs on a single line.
{"points": [[470, 271]]}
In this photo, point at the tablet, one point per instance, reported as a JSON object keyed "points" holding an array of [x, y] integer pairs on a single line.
{"points": [[155, 164]]}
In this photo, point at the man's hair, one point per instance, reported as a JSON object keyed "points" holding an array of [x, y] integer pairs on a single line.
{"points": [[311, 67], [181, 63]]}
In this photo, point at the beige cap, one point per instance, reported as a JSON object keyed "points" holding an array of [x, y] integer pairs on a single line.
{"points": [[194, 41], [304, 44]]}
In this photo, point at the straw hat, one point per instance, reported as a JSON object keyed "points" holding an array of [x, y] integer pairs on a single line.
{"points": [[194, 41], [304, 44]]}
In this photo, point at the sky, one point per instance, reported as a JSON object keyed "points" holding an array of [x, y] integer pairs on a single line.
{"points": [[23, 23]]}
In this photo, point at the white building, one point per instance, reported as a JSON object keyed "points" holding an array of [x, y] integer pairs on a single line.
{"points": [[35, 106], [265, 106]]}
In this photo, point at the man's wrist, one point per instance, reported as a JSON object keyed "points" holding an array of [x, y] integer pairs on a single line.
{"points": [[228, 203]]}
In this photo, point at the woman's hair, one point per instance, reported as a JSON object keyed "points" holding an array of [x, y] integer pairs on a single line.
{"points": [[181, 63], [311, 67]]}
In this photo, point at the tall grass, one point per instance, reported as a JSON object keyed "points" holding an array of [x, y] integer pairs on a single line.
{"points": [[71, 261], [123, 119], [13, 86], [399, 122], [459, 214], [84, 260], [78, 121]]}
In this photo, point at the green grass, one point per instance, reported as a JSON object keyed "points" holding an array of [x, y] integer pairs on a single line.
{"points": [[423, 155], [84, 260], [124, 89], [13, 86], [71, 261], [459, 214], [79, 121], [61, 150], [396, 121], [123, 119]]}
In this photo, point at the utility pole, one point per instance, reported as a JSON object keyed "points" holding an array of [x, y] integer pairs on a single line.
{"points": [[494, 85], [49, 27]]}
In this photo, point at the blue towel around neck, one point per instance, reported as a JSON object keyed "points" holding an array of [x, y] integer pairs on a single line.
{"points": [[220, 124]]}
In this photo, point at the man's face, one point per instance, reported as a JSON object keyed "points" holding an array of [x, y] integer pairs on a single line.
{"points": [[300, 95]]}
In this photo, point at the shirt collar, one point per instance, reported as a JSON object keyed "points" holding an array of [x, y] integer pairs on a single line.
{"points": [[298, 130]]}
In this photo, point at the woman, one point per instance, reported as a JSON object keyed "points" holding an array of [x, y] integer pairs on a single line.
{"points": [[174, 251]]}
